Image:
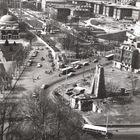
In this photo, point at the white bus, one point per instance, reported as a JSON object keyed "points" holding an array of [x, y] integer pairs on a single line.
{"points": [[96, 129], [75, 63], [66, 70], [109, 57], [86, 63]]}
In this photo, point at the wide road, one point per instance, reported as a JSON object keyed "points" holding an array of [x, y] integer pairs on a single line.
{"points": [[127, 136]]}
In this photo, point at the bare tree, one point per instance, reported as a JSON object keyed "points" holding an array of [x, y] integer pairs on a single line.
{"points": [[30, 36], [49, 120], [7, 116]]}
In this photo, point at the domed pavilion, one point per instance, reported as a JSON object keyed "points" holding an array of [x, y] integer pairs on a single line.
{"points": [[9, 27]]}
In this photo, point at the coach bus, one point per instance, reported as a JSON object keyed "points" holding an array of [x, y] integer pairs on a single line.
{"points": [[75, 63], [95, 129], [109, 57], [66, 70]]}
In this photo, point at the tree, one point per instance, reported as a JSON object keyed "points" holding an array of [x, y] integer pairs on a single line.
{"points": [[23, 26], [49, 120], [5, 80], [6, 43], [14, 43], [30, 36], [11, 48], [7, 116]]}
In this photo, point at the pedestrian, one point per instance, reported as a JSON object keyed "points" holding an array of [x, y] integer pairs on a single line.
{"points": [[38, 77], [33, 80]]}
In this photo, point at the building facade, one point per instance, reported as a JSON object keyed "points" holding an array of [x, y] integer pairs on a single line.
{"points": [[127, 58], [9, 27], [11, 3]]}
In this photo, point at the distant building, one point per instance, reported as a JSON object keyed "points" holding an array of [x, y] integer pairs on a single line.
{"points": [[9, 27], [46, 3], [127, 57], [83, 8], [11, 3], [123, 57], [138, 3]]}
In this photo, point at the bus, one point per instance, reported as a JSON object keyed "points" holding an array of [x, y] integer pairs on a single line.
{"points": [[109, 57], [95, 129], [86, 63], [75, 63], [66, 70]]}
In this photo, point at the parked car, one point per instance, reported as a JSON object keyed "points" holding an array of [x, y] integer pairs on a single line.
{"points": [[31, 61], [85, 63], [34, 95], [77, 67], [70, 74], [70, 89], [69, 93], [95, 60], [42, 59], [34, 54], [44, 86], [41, 48], [29, 64], [39, 65], [37, 48]]}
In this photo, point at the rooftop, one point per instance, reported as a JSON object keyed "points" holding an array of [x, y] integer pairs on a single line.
{"points": [[8, 19]]}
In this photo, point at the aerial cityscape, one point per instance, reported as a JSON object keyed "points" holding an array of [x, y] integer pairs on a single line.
{"points": [[69, 69]]}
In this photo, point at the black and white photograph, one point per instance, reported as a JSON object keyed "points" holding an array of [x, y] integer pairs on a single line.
{"points": [[69, 69]]}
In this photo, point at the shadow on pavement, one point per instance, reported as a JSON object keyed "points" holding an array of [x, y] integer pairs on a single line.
{"points": [[18, 89]]}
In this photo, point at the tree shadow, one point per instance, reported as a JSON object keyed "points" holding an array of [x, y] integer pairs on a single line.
{"points": [[19, 89]]}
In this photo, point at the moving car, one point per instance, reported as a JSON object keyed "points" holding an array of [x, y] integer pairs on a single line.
{"points": [[35, 94], [77, 67], [44, 86], [41, 48], [66, 70], [95, 60], [42, 58], [85, 63], [29, 63], [34, 54], [39, 65], [70, 74]]}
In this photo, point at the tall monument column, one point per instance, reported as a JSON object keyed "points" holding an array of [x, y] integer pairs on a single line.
{"points": [[98, 83]]}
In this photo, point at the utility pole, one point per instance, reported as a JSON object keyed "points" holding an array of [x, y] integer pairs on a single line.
{"points": [[20, 5]]}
